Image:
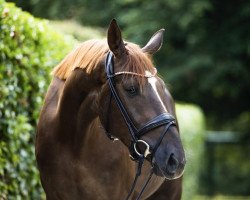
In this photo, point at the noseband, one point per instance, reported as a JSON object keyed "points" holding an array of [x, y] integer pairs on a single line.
{"points": [[164, 119]]}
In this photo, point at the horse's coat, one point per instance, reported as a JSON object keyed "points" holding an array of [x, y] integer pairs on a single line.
{"points": [[75, 158]]}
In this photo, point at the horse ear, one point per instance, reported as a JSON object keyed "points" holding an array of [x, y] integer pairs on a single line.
{"points": [[115, 41], [155, 42]]}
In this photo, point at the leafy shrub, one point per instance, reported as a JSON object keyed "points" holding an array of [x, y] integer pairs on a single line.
{"points": [[29, 48], [191, 121]]}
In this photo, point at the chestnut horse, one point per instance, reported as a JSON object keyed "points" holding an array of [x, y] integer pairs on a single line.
{"points": [[109, 88]]}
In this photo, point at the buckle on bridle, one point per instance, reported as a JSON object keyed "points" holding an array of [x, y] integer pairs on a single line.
{"points": [[147, 150]]}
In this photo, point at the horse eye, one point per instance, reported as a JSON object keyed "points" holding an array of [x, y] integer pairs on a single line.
{"points": [[131, 90]]}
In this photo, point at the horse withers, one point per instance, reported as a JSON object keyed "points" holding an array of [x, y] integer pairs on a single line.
{"points": [[108, 129]]}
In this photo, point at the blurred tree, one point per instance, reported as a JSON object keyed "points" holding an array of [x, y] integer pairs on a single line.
{"points": [[206, 60]]}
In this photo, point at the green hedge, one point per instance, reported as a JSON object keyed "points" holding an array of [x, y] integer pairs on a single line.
{"points": [[29, 49], [192, 128]]}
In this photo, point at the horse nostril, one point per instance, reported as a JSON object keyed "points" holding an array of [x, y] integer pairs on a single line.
{"points": [[172, 164]]}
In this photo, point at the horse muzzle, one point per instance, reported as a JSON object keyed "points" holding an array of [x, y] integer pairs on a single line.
{"points": [[169, 163]]}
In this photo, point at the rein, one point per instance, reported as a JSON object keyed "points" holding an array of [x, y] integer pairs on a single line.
{"points": [[164, 119]]}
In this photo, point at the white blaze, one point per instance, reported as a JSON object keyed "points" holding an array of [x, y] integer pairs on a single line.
{"points": [[152, 81]]}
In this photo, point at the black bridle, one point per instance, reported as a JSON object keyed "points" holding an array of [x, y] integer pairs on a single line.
{"points": [[164, 119]]}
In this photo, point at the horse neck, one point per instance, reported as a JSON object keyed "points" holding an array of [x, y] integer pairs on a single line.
{"points": [[77, 107]]}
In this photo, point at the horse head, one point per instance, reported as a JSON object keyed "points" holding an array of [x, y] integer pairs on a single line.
{"points": [[146, 102]]}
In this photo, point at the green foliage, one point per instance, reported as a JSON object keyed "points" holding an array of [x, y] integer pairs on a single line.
{"points": [[227, 156], [192, 128], [29, 49], [236, 162], [206, 58]]}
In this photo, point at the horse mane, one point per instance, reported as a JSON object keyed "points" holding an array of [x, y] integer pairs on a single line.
{"points": [[88, 54]]}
